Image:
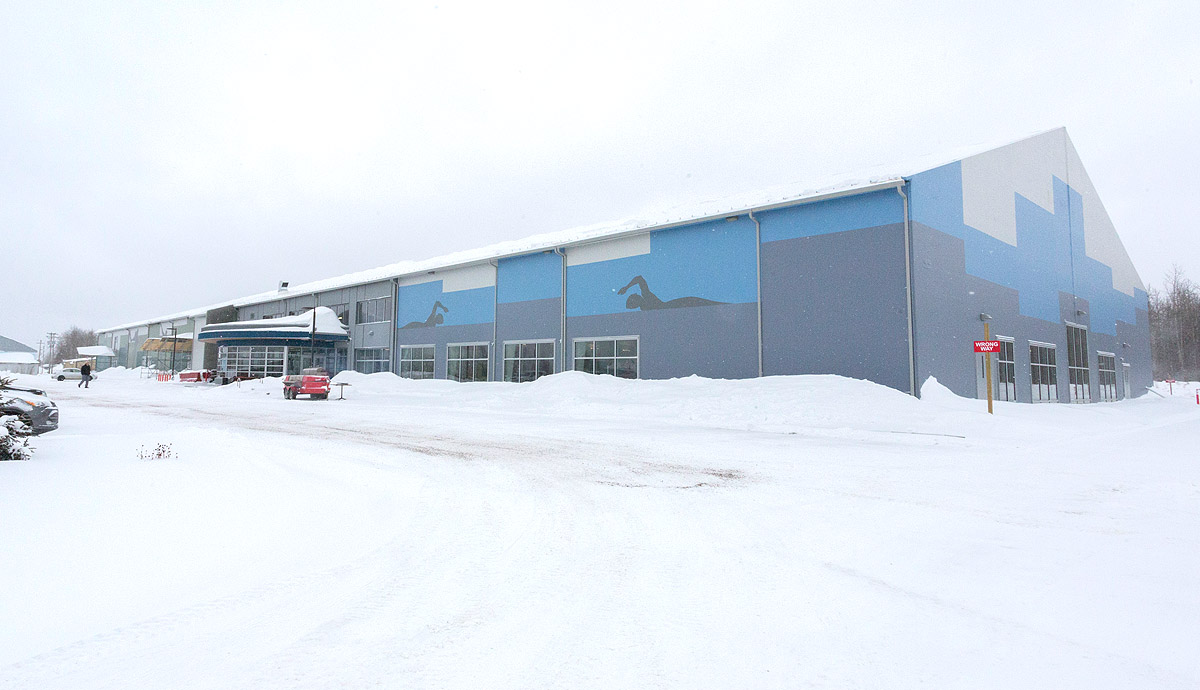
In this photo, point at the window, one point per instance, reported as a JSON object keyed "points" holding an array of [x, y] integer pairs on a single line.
{"points": [[331, 359], [250, 361], [1077, 364], [343, 312], [467, 362], [1006, 371], [1107, 365], [612, 356], [416, 361], [374, 310], [371, 360], [1043, 372], [528, 361]]}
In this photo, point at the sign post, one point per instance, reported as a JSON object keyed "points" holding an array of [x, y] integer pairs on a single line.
{"points": [[987, 346]]}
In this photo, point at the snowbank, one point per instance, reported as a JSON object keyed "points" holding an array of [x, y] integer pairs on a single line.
{"points": [[591, 532]]}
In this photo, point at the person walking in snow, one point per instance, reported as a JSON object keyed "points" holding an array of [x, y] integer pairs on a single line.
{"points": [[85, 375]]}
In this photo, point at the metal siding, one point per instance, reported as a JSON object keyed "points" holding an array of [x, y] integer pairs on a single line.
{"points": [[711, 262], [440, 336], [374, 334], [717, 341], [531, 320], [836, 304], [1030, 288], [529, 278], [854, 212]]}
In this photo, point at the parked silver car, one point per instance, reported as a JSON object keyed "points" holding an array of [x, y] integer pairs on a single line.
{"points": [[32, 405], [71, 373]]}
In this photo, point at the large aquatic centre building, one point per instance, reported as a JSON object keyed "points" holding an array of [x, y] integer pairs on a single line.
{"points": [[889, 279]]}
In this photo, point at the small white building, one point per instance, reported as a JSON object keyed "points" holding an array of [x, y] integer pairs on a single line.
{"points": [[19, 362]]}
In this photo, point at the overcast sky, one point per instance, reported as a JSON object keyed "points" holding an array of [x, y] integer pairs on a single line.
{"points": [[160, 156]]}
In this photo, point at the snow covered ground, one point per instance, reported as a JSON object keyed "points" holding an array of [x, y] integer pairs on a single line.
{"points": [[588, 532]]}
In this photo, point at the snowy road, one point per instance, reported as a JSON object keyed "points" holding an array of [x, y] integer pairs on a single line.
{"points": [[584, 532]]}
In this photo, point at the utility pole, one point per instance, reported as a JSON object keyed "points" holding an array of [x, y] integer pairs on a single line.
{"points": [[174, 331], [50, 341]]}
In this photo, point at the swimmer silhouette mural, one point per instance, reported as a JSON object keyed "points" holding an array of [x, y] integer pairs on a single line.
{"points": [[645, 299], [435, 317]]}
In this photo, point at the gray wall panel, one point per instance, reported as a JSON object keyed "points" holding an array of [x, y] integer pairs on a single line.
{"points": [[531, 320], [440, 336], [837, 304], [718, 341], [948, 305]]}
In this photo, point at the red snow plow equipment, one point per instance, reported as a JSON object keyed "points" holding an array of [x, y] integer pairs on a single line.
{"points": [[311, 382]]}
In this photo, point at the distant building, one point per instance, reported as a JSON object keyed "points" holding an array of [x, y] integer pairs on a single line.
{"points": [[17, 358], [889, 279]]}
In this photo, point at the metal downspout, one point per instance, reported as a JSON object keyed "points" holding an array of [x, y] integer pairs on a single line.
{"points": [[908, 289], [392, 318], [495, 317], [758, 286], [563, 318]]}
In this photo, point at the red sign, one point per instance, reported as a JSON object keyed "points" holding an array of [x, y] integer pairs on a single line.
{"points": [[987, 345]]}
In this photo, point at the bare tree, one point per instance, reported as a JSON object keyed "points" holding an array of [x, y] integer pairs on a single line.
{"points": [[66, 344], [1175, 327]]}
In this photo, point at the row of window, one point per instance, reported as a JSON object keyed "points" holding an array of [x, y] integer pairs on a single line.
{"points": [[372, 360], [528, 361], [373, 310], [467, 362], [523, 361], [1043, 370], [251, 361], [368, 311], [258, 361], [608, 356]]}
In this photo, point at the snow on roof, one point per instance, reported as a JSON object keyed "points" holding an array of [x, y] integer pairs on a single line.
{"points": [[18, 358], [95, 351], [845, 183], [326, 322]]}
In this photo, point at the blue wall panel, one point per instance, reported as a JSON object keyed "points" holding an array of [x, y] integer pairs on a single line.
{"points": [[1050, 256], [418, 305], [529, 277], [1029, 290], [711, 262], [834, 215]]}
